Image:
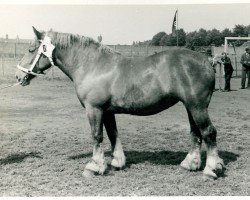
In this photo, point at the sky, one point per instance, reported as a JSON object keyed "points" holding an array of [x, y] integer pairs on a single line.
{"points": [[118, 24]]}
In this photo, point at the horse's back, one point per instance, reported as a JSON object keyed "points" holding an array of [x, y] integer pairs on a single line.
{"points": [[171, 68], [159, 81]]}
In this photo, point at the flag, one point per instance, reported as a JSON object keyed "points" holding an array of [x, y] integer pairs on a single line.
{"points": [[174, 26]]}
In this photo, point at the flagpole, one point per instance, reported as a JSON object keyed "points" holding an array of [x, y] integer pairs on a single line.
{"points": [[177, 23]]}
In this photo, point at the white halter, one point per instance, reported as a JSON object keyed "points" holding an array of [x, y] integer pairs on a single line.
{"points": [[46, 48]]}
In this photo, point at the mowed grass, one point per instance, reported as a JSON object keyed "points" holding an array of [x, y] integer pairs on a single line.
{"points": [[45, 144]]}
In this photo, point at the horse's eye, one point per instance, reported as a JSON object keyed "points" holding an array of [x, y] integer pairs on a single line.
{"points": [[31, 50]]}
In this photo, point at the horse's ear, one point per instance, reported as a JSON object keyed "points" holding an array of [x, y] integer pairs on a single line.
{"points": [[37, 33]]}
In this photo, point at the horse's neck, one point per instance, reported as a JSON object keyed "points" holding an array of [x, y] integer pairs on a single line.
{"points": [[73, 60]]}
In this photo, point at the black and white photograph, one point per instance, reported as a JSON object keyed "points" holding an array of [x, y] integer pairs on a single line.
{"points": [[124, 98]]}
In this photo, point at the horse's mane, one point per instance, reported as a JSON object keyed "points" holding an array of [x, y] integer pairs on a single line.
{"points": [[65, 40]]}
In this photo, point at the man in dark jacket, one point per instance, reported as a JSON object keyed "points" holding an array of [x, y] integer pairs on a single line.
{"points": [[245, 61], [228, 69]]}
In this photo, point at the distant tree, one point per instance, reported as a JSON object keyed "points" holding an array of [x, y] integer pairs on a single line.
{"points": [[195, 39], [164, 39], [226, 33], [99, 38], [144, 43], [190, 43], [214, 37], [239, 30], [181, 37], [200, 37], [171, 39], [247, 30], [157, 38]]}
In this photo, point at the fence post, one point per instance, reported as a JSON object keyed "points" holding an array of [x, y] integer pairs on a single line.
{"points": [[220, 78], [2, 66], [14, 50], [131, 53], [236, 66]]}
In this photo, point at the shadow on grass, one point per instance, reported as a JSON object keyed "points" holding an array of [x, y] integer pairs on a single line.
{"points": [[161, 157], [218, 90], [157, 157], [165, 158], [18, 157], [86, 155]]}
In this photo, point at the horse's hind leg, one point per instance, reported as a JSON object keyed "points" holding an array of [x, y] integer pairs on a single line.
{"points": [[193, 158], [208, 132], [119, 159], [98, 164]]}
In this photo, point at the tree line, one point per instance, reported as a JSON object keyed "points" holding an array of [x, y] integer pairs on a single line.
{"points": [[198, 38]]}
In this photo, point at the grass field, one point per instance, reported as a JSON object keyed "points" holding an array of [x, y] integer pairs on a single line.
{"points": [[45, 144]]}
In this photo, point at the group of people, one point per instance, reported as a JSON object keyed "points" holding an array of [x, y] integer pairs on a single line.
{"points": [[228, 69]]}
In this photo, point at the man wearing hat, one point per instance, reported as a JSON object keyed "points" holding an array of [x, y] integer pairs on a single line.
{"points": [[228, 69], [245, 61]]}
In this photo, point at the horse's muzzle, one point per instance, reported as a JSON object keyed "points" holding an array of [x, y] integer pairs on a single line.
{"points": [[23, 78]]}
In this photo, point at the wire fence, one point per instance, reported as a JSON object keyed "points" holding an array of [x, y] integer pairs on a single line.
{"points": [[12, 52]]}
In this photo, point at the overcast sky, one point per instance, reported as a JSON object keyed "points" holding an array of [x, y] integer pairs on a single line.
{"points": [[118, 24]]}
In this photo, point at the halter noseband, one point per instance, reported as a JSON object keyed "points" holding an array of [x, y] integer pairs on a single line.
{"points": [[46, 48]]}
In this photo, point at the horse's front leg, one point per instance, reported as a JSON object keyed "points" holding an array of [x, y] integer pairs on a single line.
{"points": [[98, 164], [118, 161]]}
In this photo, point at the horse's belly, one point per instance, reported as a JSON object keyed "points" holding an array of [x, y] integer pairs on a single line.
{"points": [[142, 95], [143, 107]]}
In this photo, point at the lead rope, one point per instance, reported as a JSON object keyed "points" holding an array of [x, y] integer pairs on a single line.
{"points": [[9, 86]]}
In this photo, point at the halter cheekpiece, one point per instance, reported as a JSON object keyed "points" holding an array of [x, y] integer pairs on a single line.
{"points": [[46, 48]]}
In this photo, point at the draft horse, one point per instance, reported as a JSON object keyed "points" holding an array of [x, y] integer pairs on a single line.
{"points": [[107, 83]]}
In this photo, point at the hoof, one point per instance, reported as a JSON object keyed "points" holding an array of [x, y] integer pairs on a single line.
{"points": [[209, 173], [95, 169], [192, 166], [118, 164], [191, 163], [220, 166], [88, 173], [214, 168], [208, 178], [185, 165], [113, 168]]}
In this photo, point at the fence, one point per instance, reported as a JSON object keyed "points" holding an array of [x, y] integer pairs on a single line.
{"points": [[12, 52], [8, 69], [138, 51], [17, 50], [13, 49]]}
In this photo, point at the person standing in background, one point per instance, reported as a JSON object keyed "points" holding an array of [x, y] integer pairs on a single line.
{"points": [[228, 69], [245, 61]]}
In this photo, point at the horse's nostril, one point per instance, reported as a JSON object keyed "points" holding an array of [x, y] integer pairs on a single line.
{"points": [[16, 77], [19, 79]]}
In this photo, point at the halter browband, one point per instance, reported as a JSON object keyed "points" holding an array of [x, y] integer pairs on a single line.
{"points": [[46, 48]]}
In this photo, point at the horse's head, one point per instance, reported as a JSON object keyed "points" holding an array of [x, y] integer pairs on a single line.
{"points": [[36, 60]]}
